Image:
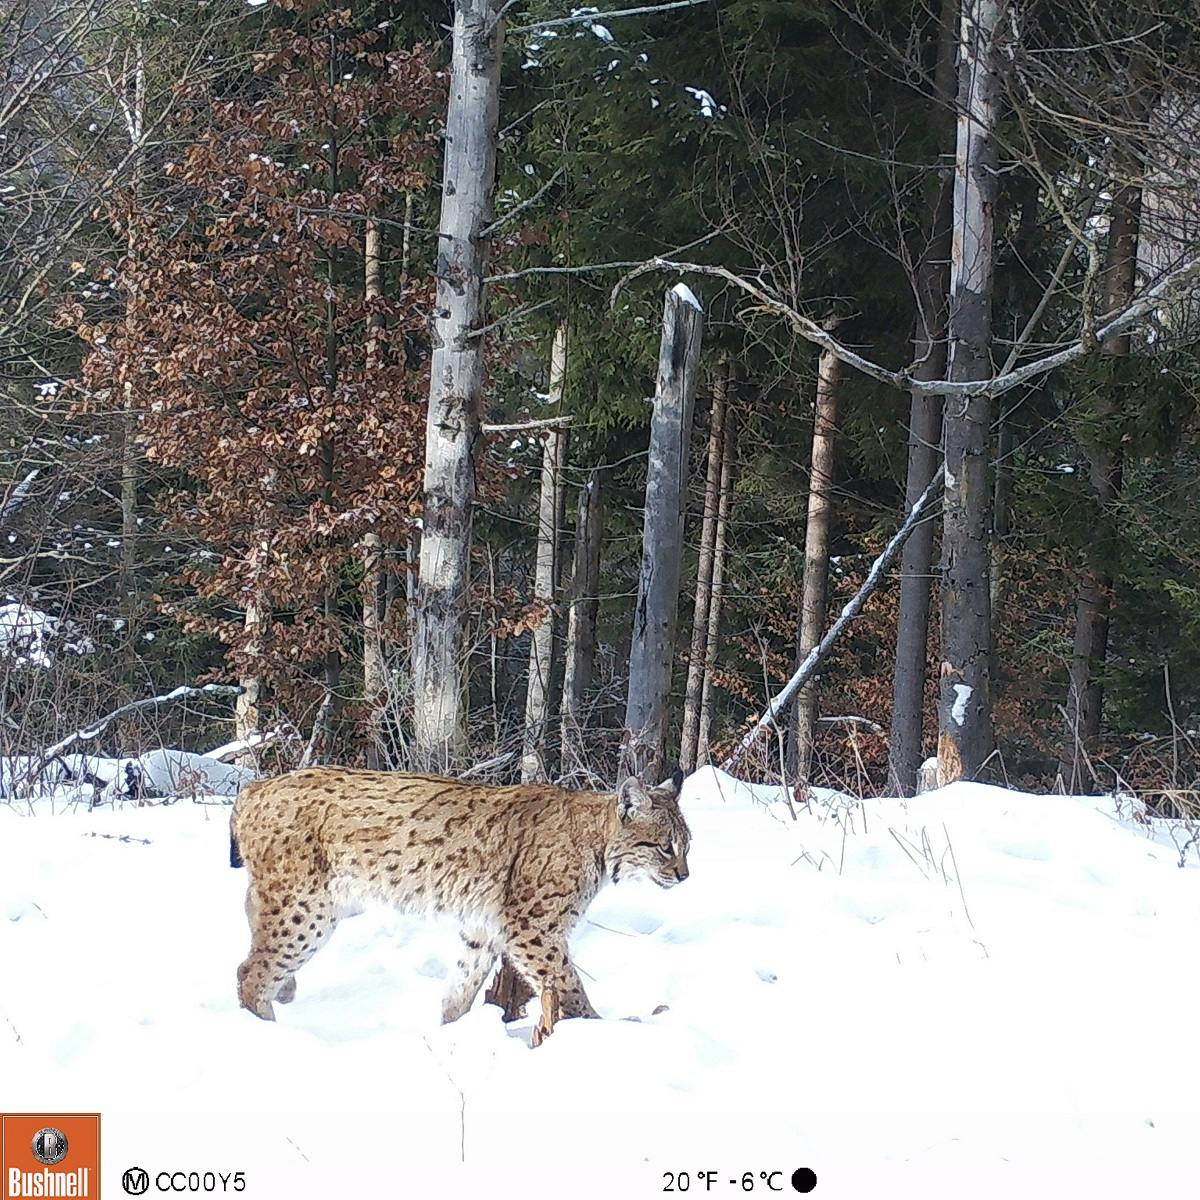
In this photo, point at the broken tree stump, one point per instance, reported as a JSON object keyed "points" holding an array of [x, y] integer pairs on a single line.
{"points": [[509, 991]]}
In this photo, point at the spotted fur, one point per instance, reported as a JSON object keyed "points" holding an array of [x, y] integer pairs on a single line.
{"points": [[517, 866]]}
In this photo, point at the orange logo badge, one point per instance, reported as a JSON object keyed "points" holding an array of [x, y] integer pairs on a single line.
{"points": [[44, 1156]]}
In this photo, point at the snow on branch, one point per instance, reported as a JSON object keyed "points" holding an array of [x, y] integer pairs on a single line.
{"points": [[808, 668], [593, 16], [1170, 286], [86, 735]]}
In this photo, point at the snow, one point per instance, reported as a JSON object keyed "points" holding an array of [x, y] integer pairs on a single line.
{"points": [[962, 697], [686, 294], [974, 992]]}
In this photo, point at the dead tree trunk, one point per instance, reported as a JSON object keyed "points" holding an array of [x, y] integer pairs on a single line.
{"points": [[965, 706], [541, 649], [456, 385], [653, 646], [1093, 605], [816, 558], [581, 622], [932, 286], [689, 740], [720, 550]]}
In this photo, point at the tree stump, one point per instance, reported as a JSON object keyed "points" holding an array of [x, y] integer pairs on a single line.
{"points": [[509, 991], [549, 1018]]}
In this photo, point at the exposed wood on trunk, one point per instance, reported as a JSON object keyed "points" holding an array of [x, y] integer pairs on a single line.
{"points": [[456, 385], [581, 621], [653, 645], [538, 696], [551, 1014], [932, 287], [689, 740], [813, 600], [509, 991], [720, 550], [965, 707], [1093, 605]]}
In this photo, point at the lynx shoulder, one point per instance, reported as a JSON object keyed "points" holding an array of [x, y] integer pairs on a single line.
{"points": [[517, 866]]}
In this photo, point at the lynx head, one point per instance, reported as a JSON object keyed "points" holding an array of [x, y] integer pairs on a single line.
{"points": [[652, 837]]}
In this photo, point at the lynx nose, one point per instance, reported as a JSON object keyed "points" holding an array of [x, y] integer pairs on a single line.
{"points": [[681, 874]]}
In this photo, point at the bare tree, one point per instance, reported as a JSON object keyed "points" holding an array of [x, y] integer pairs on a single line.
{"points": [[545, 587], [698, 653], [964, 709], [581, 620], [720, 550], [816, 557], [653, 647], [456, 383], [931, 287]]}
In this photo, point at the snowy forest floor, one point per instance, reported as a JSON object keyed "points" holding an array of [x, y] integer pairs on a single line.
{"points": [[974, 985]]}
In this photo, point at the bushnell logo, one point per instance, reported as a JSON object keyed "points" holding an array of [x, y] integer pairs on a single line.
{"points": [[50, 1146], [49, 1155]]}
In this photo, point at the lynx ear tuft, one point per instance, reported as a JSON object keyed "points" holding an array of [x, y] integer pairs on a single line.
{"points": [[632, 799]]}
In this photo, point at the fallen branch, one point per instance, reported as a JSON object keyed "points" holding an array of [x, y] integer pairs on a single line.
{"points": [[525, 426], [808, 668], [86, 735]]}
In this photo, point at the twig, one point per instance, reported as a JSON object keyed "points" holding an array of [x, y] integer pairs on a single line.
{"points": [[514, 212]]}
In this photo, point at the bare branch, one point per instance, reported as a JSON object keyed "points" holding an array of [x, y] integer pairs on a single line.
{"points": [[1170, 286], [592, 18]]}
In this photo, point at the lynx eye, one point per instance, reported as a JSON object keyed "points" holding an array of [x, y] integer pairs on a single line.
{"points": [[667, 851]]}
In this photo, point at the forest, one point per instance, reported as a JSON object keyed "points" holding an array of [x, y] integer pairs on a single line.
{"points": [[528, 390]]}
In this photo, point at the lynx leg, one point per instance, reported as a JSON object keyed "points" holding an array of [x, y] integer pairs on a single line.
{"points": [[543, 960], [479, 951], [284, 935]]}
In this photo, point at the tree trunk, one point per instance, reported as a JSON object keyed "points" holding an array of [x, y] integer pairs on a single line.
{"points": [[932, 285], [720, 542], [534, 768], [813, 600], [581, 622], [965, 708], [653, 646], [375, 676], [456, 385], [1093, 605], [689, 741]]}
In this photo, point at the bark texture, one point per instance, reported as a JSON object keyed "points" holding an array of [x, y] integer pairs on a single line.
{"points": [[689, 740], [581, 621], [534, 766], [964, 707], [653, 645], [932, 285], [456, 386], [813, 600]]}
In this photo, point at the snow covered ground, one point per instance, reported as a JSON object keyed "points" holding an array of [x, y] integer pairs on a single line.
{"points": [[976, 992]]}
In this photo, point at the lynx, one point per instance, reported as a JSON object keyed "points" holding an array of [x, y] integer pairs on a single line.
{"points": [[516, 866]]}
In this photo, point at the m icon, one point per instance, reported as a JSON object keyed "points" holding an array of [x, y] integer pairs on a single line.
{"points": [[136, 1181]]}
